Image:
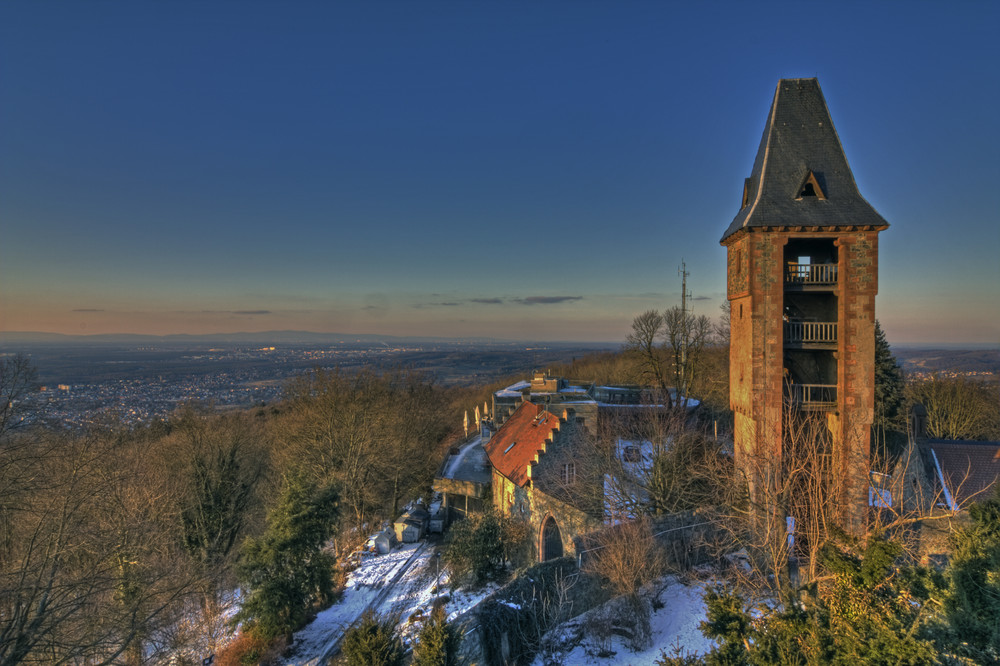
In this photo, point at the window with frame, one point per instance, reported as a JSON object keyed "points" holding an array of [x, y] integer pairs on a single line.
{"points": [[568, 473]]}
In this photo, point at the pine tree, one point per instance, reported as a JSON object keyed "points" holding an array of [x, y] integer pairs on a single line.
{"points": [[439, 642], [888, 382], [286, 571], [972, 605], [373, 642], [868, 610]]}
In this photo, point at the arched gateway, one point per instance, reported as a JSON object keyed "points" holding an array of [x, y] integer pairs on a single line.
{"points": [[550, 540]]}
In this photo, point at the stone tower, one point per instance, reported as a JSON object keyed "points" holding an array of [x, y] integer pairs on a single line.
{"points": [[802, 278]]}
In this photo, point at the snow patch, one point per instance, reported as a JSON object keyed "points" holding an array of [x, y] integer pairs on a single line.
{"points": [[676, 624]]}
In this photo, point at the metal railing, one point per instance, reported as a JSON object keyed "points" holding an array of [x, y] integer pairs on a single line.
{"points": [[809, 274], [811, 332], [813, 396]]}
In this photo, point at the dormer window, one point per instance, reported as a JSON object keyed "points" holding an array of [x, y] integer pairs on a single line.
{"points": [[810, 188]]}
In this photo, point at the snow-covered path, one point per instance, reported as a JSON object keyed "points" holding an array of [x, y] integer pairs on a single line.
{"points": [[457, 460], [401, 583], [366, 587]]}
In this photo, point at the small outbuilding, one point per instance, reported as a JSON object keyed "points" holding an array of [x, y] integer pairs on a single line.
{"points": [[438, 520], [412, 525], [382, 542]]}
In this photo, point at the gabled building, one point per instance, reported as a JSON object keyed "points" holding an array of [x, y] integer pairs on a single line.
{"points": [[802, 256], [538, 477], [530, 457]]}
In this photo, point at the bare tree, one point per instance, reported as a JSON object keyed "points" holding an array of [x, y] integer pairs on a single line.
{"points": [[669, 347], [377, 435], [958, 407], [87, 570], [645, 342], [723, 326], [786, 504], [687, 336], [17, 378], [216, 467], [626, 555], [628, 558]]}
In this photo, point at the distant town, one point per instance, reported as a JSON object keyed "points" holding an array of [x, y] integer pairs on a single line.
{"points": [[81, 384]]}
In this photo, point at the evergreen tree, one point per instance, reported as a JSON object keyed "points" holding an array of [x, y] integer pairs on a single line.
{"points": [[888, 382], [867, 611], [373, 642], [972, 604], [286, 571], [439, 642], [482, 545]]}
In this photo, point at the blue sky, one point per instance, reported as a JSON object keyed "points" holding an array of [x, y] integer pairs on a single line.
{"points": [[531, 170]]}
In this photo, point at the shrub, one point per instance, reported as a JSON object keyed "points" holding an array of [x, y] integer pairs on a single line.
{"points": [[250, 650], [481, 546], [374, 641], [439, 641]]}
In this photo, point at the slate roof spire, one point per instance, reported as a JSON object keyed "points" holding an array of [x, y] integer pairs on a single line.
{"points": [[800, 177]]}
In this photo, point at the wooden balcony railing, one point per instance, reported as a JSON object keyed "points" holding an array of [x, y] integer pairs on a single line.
{"points": [[813, 396], [811, 332], [811, 274]]}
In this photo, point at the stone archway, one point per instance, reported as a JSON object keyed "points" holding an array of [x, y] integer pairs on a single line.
{"points": [[550, 544]]}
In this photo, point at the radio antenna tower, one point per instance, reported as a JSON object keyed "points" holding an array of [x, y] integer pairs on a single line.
{"points": [[683, 388]]}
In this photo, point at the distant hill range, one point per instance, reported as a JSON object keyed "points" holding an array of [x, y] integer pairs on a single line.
{"points": [[915, 359], [15, 338], [962, 361]]}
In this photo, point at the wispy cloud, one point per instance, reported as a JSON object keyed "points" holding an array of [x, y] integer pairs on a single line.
{"points": [[87, 310], [251, 312], [702, 298], [487, 301], [447, 304], [547, 300]]}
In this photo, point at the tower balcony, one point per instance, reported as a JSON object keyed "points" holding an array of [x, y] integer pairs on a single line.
{"points": [[801, 334], [804, 277], [813, 397]]}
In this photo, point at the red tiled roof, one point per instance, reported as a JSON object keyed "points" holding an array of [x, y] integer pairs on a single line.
{"points": [[970, 468], [519, 441]]}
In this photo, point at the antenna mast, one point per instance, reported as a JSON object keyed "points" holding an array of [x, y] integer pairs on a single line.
{"points": [[683, 388]]}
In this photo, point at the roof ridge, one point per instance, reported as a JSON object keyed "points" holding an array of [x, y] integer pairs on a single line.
{"points": [[767, 149]]}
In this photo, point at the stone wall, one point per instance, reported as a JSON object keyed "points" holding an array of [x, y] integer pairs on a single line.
{"points": [[858, 285], [756, 361]]}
